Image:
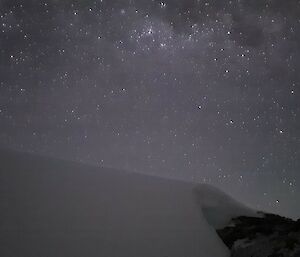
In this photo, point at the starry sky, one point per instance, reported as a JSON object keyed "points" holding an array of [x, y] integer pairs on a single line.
{"points": [[204, 91]]}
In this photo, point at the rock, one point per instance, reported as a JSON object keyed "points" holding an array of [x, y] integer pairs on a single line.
{"points": [[266, 236]]}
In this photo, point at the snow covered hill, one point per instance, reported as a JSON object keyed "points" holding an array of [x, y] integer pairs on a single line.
{"points": [[54, 208], [219, 208]]}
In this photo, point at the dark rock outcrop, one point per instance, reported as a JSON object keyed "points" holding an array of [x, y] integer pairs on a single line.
{"points": [[267, 236]]}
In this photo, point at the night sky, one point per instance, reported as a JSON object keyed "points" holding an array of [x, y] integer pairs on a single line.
{"points": [[205, 91]]}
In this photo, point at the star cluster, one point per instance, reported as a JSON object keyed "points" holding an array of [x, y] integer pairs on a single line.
{"points": [[205, 91]]}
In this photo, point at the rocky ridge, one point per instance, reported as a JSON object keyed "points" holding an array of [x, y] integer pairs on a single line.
{"points": [[266, 236]]}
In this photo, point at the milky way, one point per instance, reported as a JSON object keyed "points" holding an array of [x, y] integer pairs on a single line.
{"points": [[193, 90]]}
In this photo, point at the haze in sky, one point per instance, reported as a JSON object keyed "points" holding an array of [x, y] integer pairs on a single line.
{"points": [[202, 91]]}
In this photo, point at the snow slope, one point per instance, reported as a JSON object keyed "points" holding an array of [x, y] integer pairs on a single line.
{"points": [[219, 208], [53, 208]]}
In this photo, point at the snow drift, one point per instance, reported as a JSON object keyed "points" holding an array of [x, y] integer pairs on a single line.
{"points": [[56, 208], [219, 208]]}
